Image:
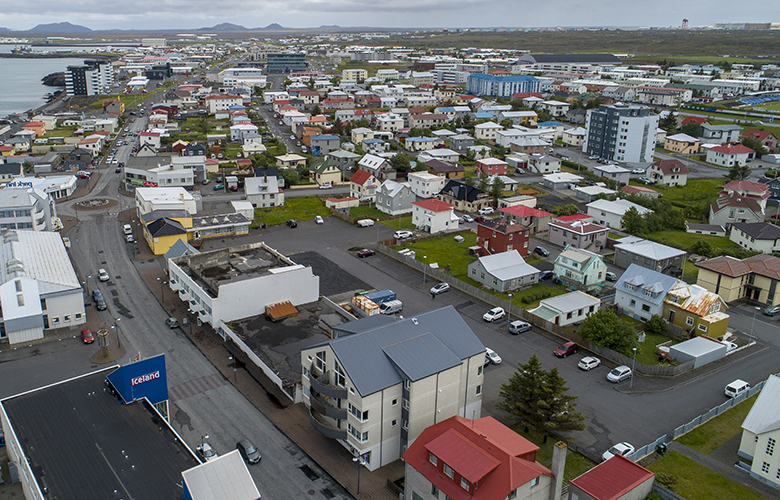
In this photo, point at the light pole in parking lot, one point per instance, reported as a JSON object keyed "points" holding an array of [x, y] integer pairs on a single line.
{"points": [[509, 312], [750, 337], [361, 461], [162, 289], [425, 269], [633, 363]]}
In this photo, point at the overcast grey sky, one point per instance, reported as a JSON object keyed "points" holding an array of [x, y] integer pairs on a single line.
{"points": [[193, 14]]}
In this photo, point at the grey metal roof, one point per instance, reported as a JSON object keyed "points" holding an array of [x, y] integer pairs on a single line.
{"points": [[507, 265], [225, 478], [649, 249], [179, 248], [570, 301], [43, 258], [643, 280], [759, 230], [764, 416], [374, 359], [362, 325]]}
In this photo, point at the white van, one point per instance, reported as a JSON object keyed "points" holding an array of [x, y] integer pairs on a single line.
{"points": [[127, 229], [365, 222], [736, 388], [391, 307]]}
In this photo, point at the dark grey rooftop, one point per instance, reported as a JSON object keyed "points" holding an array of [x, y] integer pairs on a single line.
{"points": [[81, 444]]}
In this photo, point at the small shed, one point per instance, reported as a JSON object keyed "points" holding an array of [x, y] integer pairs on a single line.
{"points": [[701, 350]]}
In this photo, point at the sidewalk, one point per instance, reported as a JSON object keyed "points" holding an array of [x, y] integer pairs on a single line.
{"points": [[719, 462], [291, 419]]}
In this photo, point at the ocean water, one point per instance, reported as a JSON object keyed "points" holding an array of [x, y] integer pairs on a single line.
{"points": [[21, 88]]}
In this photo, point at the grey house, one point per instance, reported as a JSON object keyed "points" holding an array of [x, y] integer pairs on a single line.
{"points": [[648, 254], [503, 272], [720, 134], [395, 197], [640, 292], [324, 144], [347, 161], [461, 141]]}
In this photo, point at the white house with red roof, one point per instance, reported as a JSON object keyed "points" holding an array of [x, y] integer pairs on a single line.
{"points": [[480, 460], [640, 191], [616, 479], [434, 216], [668, 173], [533, 218], [754, 190], [221, 102], [728, 155], [151, 138], [93, 143], [363, 186], [579, 233], [767, 139]]}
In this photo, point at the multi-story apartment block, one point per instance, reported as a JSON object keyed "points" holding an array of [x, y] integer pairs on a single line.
{"points": [[93, 78], [377, 389], [285, 62], [500, 86], [621, 132]]}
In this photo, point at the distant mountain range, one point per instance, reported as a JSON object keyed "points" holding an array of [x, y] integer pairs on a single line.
{"points": [[66, 28]]}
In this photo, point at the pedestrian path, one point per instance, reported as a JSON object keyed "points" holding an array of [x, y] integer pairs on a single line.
{"points": [[196, 386], [725, 469]]}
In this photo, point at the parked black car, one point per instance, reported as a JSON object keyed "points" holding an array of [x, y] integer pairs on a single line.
{"points": [[542, 251], [248, 451], [292, 223]]}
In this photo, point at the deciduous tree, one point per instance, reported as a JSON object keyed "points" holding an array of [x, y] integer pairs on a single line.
{"points": [[606, 329]]}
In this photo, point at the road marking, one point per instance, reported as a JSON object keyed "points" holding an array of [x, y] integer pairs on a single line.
{"points": [[197, 386]]}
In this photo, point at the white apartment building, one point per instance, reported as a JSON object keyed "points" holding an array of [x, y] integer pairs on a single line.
{"points": [[425, 185], [26, 208], [376, 389], [151, 199]]}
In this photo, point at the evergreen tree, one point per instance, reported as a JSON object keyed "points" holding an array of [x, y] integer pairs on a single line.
{"points": [[669, 123], [496, 189], [738, 173]]}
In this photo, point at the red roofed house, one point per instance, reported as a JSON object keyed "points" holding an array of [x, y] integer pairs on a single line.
{"points": [[582, 234], [575, 217], [38, 127], [151, 138], [363, 186], [640, 191], [92, 143], [616, 479], [728, 155], [700, 120], [534, 219], [732, 207], [753, 190], [767, 139], [480, 459], [668, 173], [222, 102], [491, 166], [498, 235], [434, 216]]}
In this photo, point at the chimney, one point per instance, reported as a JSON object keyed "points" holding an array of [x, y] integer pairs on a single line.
{"points": [[558, 464]]}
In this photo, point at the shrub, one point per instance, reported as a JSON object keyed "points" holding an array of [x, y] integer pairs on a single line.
{"points": [[656, 324]]}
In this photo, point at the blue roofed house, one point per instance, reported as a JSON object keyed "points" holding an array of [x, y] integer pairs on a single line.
{"points": [[640, 292], [374, 146], [372, 390], [395, 198], [324, 144], [503, 272]]}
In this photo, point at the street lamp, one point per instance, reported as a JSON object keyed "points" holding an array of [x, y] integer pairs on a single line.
{"points": [[235, 366], [633, 363], [425, 269], [753, 324], [361, 462], [202, 439], [116, 326], [162, 289], [509, 312]]}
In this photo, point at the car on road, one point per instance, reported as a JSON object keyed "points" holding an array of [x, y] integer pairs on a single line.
{"points": [[366, 252], [100, 302], [440, 288], [566, 349], [281, 123], [325, 186], [645, 180], [622, 449], [485, 211], [619, 374], [772, 310], [118, 170], [494, 314], [83, 175], [588, 363], [593, 157], [291, 223], [130, 238], [467, 218], [319, 220], [206, 452], [206, 181], [292, 137], [639, 171], [127, 229], [87, 337], [103, 275], [479, 219], [519, 326], [218, 187], [248, 451], [610, 276], [545, 275], [491, 357], [403, 234], [542, 251], [172, 322]]}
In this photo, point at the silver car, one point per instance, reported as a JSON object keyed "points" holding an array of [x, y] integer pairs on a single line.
{"points": [[519, 326]]}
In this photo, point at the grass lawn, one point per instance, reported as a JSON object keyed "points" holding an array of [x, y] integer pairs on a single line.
{"points": [[614, 236], [690, 269], [646, 351], [576, 463], [529, 298], [684, 241], [696, 193], [294, 208], [60, 132], [366, 212], [696, 482], [404, 223], [707, 437], [445, 251]]}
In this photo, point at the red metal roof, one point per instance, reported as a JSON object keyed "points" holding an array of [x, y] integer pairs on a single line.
{"points": [[434, 205], [524, 211], [612, 479], [746, 186], [484, 452], [572, 218], [360, 177], [732, 149]]}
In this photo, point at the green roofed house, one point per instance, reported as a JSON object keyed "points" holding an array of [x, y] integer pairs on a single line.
{"points": [[325, 171], [346, 160]]}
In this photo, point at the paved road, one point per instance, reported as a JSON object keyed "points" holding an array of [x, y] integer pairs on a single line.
{"points": [[614, 413]]}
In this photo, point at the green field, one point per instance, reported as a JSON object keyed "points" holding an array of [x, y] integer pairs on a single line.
{"points": [[684, 241], [294, 208], [708, 437], [697, 482], [774, 106]]}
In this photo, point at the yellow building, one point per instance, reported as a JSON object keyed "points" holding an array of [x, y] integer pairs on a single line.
{"points": [[163, 228], [290, 161], [682, 143], [353, 75], [325, 171], [755, 278], [696, 310]]}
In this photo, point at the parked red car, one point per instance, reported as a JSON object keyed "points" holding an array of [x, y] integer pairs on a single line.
{"points": [[566, 349], [366, 252], [87, 337]]}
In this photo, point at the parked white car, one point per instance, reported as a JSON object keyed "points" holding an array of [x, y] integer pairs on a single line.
{"points": [[400, 235], [494, 314], [103, 275], [440, 288], [622, 449], [619, 374], [492, 357], [588, 363], [486, 211], [467, 218]]}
